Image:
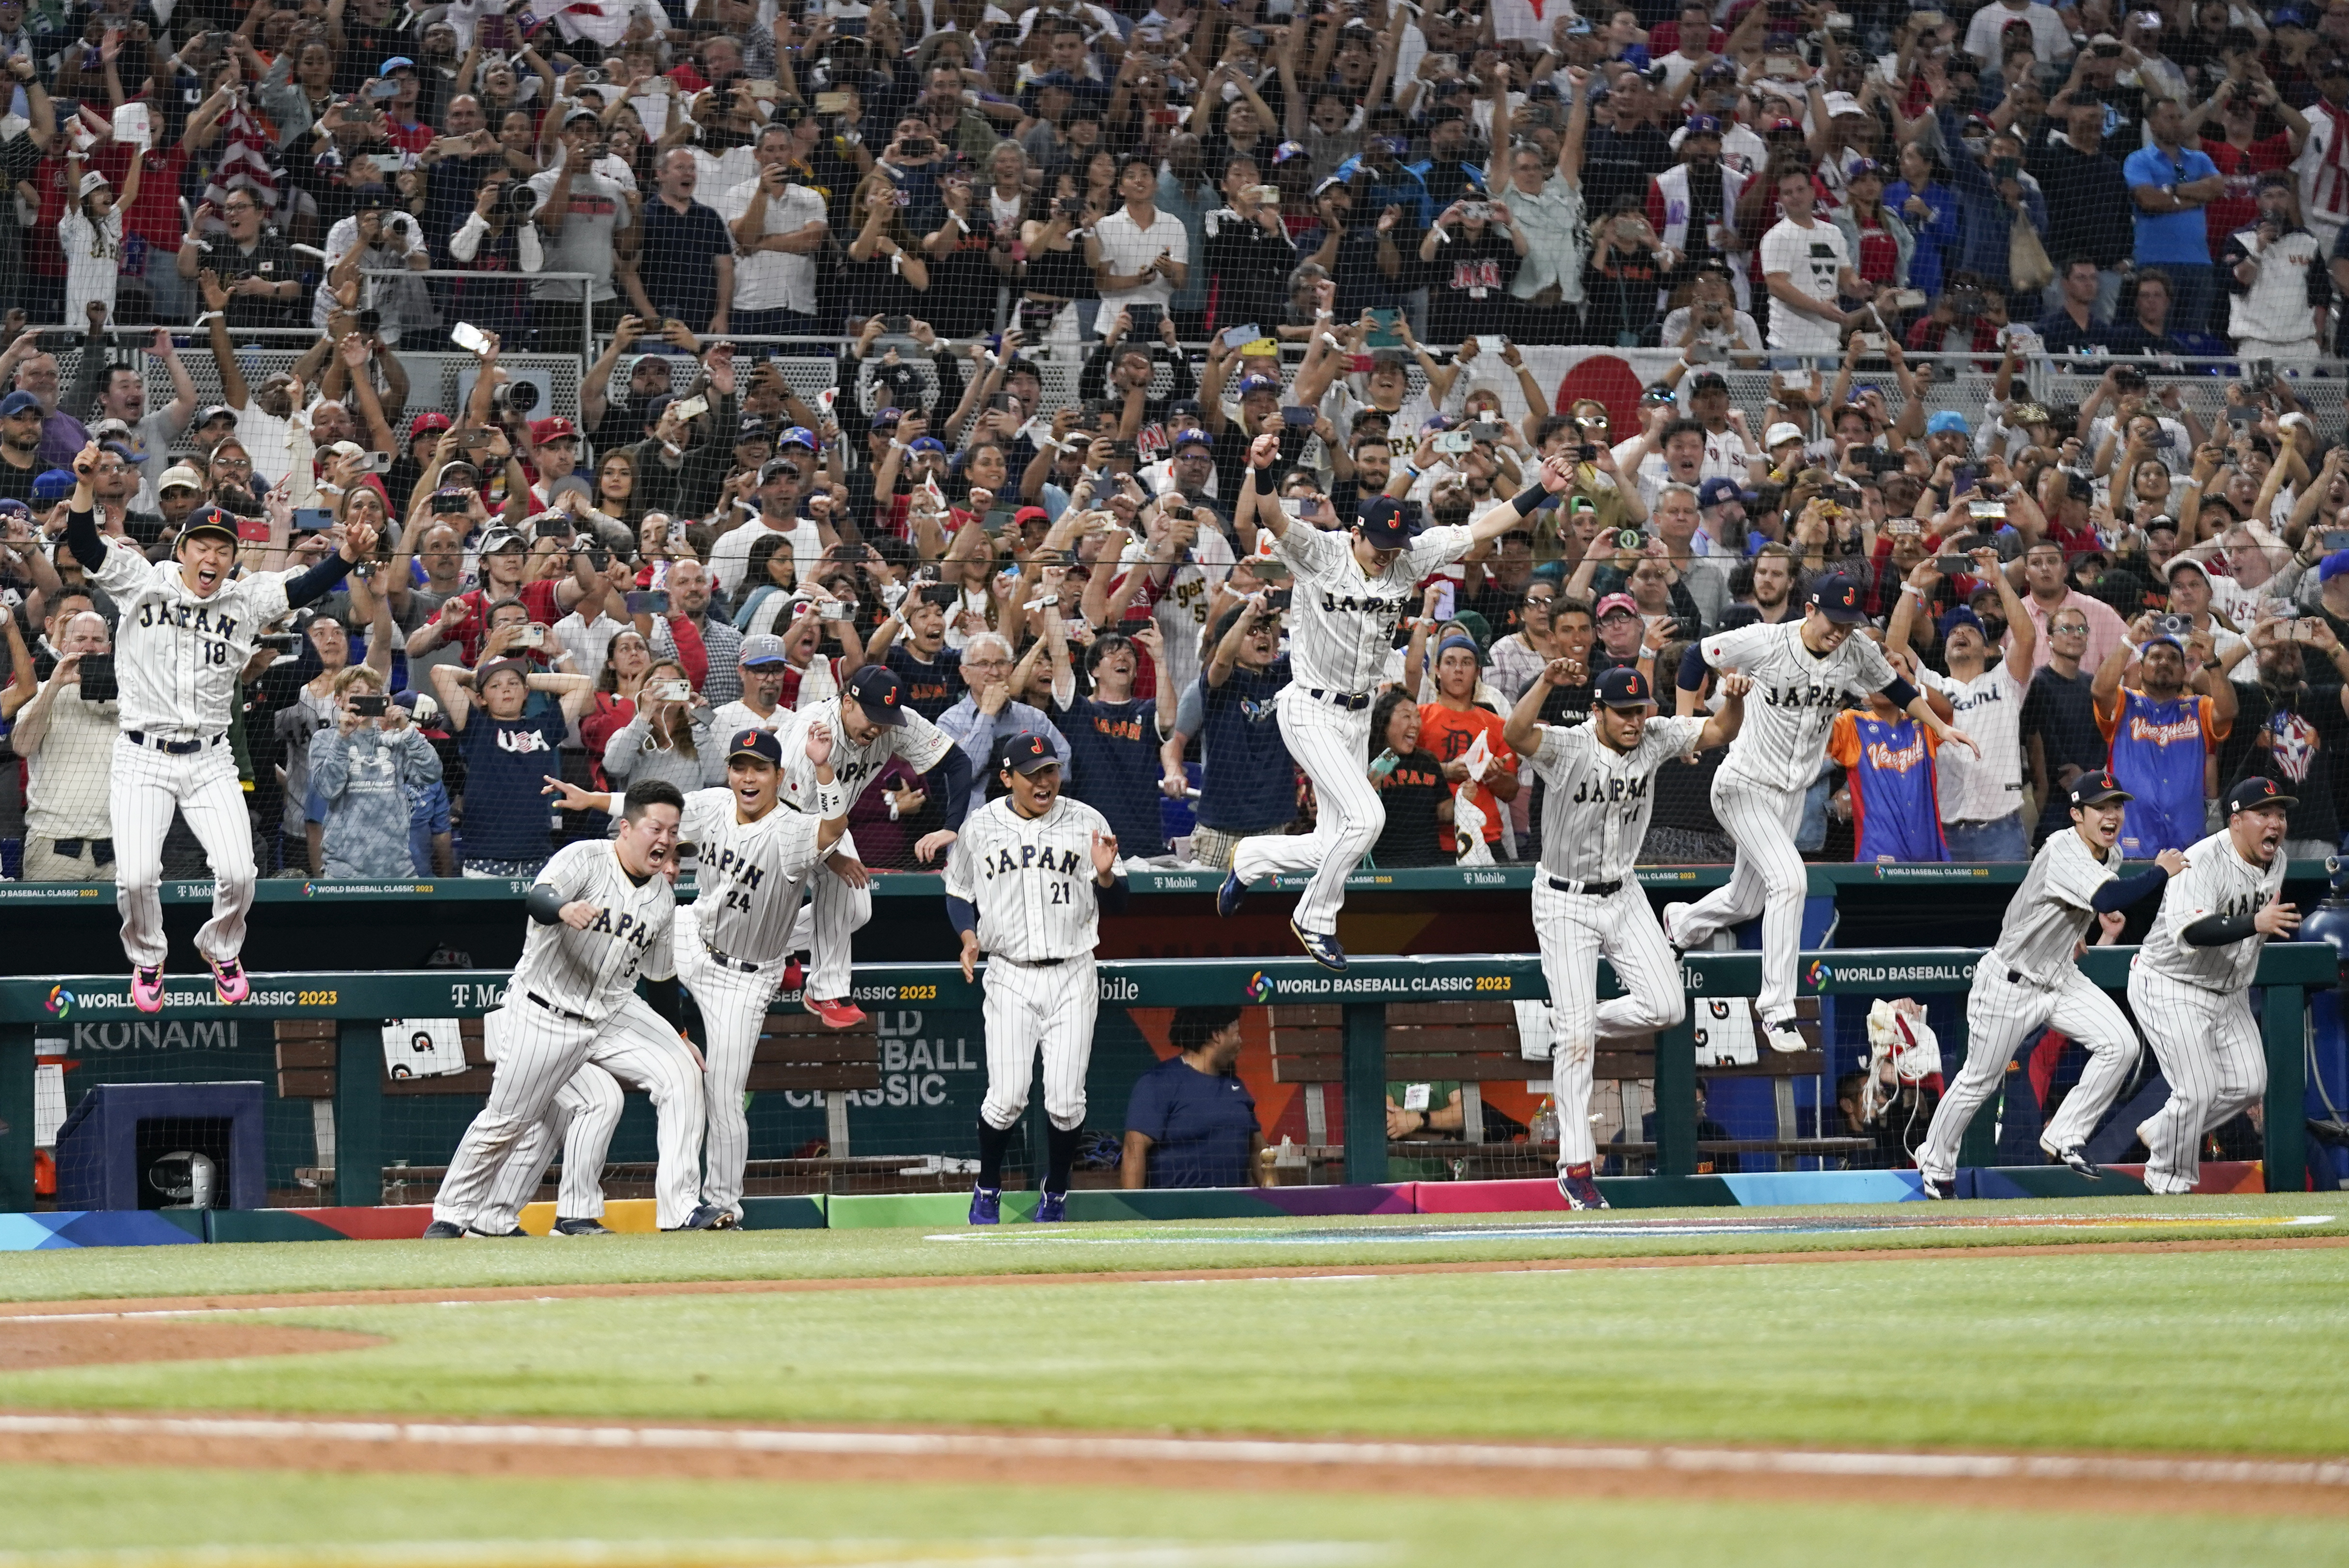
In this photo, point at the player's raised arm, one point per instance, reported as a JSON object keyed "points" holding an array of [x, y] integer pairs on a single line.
{"points": [[831, 796], [117, 572], [1263, 453], [1554, 477], [1723, 727]]}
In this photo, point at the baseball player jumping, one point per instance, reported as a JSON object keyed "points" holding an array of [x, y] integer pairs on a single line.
{"points": [[186, 630], [732, 940], [1585, 901], [2029, 980], [1026, 880], [1350, 590], [2189, 984], [870, 723], [1799, 671], [601, 912]]}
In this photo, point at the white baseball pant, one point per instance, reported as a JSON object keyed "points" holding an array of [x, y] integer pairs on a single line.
{"points": [[1329, 743], [2000, 1014], [537, 1052], [1574, 930], [580, 1120], [145, 786], [1032, 1005], [2209, 1047], [1769, 880], [834, 913], [734, 1007]]}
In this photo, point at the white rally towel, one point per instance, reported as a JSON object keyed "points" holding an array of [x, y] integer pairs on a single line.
{"points": [[423, 1048], [1724, 1031]]}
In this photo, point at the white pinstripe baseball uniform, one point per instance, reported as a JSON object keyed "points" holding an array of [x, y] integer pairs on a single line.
{"points": [[180, 658], [1031, 881], [1342, 623], [2194, 1005], [573, 1000], [2027, 982], [834, 911], [1595, 815], [1758, 794], [731, 942]]}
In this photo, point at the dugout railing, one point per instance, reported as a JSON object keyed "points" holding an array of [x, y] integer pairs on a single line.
{"points": [[358, 1004]]}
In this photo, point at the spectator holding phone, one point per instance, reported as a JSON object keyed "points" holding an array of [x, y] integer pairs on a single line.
{"points": [[65, 735], [363, 767], [667, 737], [707, 645], [316, 705], [1140, 255], [1467, 259]]}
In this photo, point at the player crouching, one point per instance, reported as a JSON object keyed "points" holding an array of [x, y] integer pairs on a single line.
{"points": [[1029, 872], [186, 630]]}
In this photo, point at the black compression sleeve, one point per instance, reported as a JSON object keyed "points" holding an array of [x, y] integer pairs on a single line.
{"points": [[951, 776], [662, 997], [1110, 900], [1692, 669], [317, 583], [962, 914], [2123, 891], [2217, 930], [544, 904], [1900, 693], [82, 537]]}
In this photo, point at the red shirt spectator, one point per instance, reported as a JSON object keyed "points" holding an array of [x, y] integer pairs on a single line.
{"points": [[2238, 209]]}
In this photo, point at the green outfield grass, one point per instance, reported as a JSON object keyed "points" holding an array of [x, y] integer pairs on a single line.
{"points": [[2199, 1351], [1020, 1248], [63, 1515]]}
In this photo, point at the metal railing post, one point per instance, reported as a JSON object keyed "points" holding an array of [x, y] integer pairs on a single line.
{"points": [[1366, 1093], [358, 1113], [2283, 1029]]}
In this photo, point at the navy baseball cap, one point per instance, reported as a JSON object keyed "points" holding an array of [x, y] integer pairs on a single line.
{"points": [[2095, 788], [1382, 523], [927, 444], [1703, 125], [760, 743], [15, 403], [54, 486], [1837, 599], [876, 690], [1964, 615], [1716, 490], [1029, 753], [207, 520], [1624, 687], [2252, 794]]}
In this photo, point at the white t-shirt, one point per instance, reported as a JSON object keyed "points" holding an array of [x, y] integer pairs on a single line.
{"points": [[1814, 259], [774, 280], [1127, 248], [1989, 708]]}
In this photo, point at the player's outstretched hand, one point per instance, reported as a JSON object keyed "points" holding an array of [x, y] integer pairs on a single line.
{"points": [[819, 744], [2277, 920], [1105, 854], [578, 914], [1564, 672], [969, 957], [2172, 861], [567, 797], [849, 870], [1957, 736], [85, 464], [932, 845], [1556, 474]]}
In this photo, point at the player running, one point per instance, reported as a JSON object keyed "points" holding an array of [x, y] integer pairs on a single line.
{"points": [[1585, 901], [732, 940], [1028, 876], [184, 632], [1800, 671], [2190, 986], [1350, 590], [2029, 980]]}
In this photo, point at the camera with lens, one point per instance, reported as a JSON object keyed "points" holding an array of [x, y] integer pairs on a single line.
{"points": [[519, 201], [517, 397], [2176, 626]]}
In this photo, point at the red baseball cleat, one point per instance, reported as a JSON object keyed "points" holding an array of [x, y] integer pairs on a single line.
{"points": [[841, 1014], [794, 975]]}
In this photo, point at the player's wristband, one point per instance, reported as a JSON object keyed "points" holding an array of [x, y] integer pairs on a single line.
{"points": [[831, 799]]}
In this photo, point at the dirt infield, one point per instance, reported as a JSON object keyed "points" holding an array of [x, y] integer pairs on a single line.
{"points": [[2069, 1482], [172, 1307], [29, 1346]]}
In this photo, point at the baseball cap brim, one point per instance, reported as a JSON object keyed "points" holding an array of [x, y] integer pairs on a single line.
{"points": [[1843, 615], [215, 523], [2098, 797], [889, 718], [2267, 800]]}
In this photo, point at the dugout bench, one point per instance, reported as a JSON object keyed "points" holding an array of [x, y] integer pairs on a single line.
{"points": [[354, 1005]]}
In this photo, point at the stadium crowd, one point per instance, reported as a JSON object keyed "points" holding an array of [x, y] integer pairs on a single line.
{"points": [[1336, 226]]}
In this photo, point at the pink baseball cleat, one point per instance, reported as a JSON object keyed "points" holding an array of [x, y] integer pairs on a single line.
{"points": [[228, 982], [147, 988]]}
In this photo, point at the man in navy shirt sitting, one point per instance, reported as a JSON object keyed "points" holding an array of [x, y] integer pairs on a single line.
{"points": [[1191, 1122]]}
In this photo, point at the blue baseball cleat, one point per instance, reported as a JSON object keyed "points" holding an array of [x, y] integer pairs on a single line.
{"points": [[987, 1206], [1231, 895], [1323, 950], [1051, 1208]]}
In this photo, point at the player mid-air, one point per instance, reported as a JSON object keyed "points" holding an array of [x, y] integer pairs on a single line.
{"points": [[1586, 902], [185, 630], [1350, 587], [2029, 980], [733, 939], [1800, 671], [1026, 882]]}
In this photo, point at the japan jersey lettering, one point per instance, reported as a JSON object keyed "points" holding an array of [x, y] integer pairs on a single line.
{"points": [[180, 657], [2216, 881], [593, 972], [1342, 620], [747, 874], [918, 740], [1795, 698], [1031, 879], [2053, 909], [1596, 807]]}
